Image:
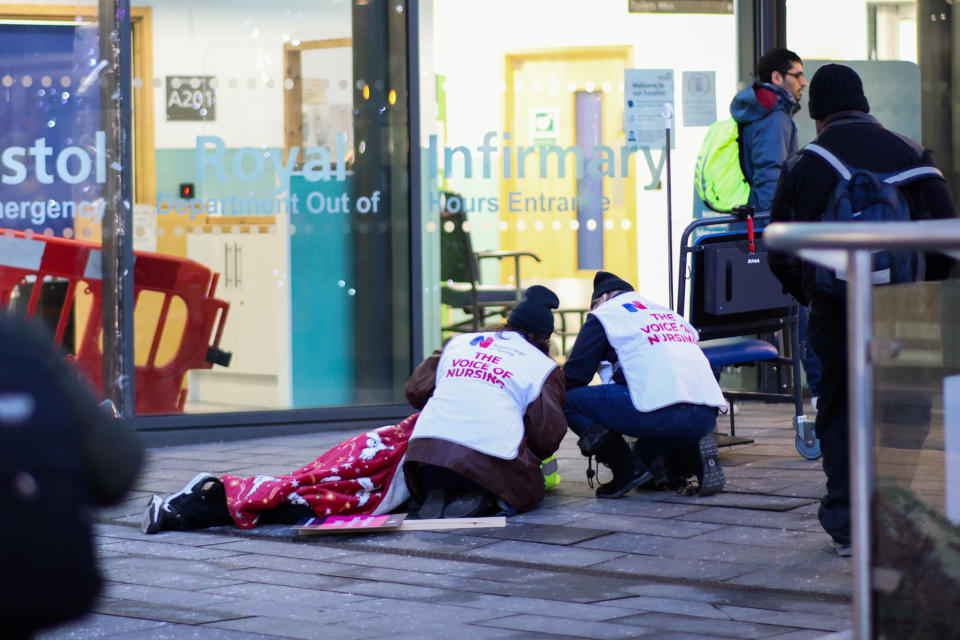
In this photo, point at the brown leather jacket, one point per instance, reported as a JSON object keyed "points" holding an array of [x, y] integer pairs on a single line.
{"points": [[518, 482]]}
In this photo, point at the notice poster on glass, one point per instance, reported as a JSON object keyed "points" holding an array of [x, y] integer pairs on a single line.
{"points": [[646, 91], [699, 98]]}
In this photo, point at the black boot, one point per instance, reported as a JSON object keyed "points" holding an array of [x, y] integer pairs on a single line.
{"points": [[658, 470], [657, 467], [469, 504], [705, 460], [678, 471], [700, 459], [629, 471], [434, 504]]}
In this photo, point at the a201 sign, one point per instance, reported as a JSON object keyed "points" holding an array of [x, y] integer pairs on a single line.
{"points": [[191, 98]]}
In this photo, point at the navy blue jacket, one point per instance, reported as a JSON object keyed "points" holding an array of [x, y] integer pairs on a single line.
{"points": [[769, 137], [591, 347]]}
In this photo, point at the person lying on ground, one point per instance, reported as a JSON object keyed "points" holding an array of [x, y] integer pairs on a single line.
{"points": [[356, 477]]}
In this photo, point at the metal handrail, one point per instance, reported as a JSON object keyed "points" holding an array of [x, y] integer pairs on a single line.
{"points": [[928, 234], [858, 239]]}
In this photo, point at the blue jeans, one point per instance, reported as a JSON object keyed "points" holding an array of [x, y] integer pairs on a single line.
{"points": [[657, 432]]}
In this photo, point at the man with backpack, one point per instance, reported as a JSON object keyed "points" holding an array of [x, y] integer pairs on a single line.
{"points": [[744, 169], [741, 157], [765, 112], [853, 156]]}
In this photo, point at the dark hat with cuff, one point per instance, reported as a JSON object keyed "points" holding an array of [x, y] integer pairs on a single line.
{"points": [[534, 313], [835, 88], [605, 282]]}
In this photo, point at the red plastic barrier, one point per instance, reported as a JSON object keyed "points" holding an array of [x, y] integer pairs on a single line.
{"points": [[159, 389]]}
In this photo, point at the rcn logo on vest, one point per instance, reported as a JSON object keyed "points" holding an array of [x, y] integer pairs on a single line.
{"points": [[634, 306], [482, 341]]}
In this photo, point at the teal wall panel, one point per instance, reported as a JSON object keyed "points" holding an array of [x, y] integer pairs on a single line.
{"points": [[322, 302]]}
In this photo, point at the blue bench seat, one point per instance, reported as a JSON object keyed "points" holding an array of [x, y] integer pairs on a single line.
{"points": [[738, 350]]}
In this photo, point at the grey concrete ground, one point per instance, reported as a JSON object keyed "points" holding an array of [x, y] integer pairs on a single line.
{"points": [[751, 562]]}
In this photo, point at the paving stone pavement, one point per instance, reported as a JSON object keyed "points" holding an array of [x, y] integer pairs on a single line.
{"points": [[750, 562]]}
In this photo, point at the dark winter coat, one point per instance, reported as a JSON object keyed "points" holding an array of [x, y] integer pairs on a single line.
{"points": [[59, 456], [591, 347], [807, 184]]}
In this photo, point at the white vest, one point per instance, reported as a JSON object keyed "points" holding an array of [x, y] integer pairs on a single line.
{"points": [[485, 381], [659, 354]]}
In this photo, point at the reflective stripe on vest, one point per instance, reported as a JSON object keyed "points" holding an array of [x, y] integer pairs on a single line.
{"points": [[551, 472]]}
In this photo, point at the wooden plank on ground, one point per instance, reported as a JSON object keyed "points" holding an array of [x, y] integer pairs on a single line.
{"points": [[392, 522]]}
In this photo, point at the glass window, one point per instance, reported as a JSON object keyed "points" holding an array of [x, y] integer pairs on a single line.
{"points": [[902, 56], [271, 214], [544, 137], [916, 505]]}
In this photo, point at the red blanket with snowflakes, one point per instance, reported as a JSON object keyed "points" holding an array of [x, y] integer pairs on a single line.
{"points": [[362, 475]]}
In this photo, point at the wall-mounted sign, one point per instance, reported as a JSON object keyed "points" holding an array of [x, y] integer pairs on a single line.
{"points": [[191, 98], [680, 6], [699, 98], [543, 125], [646, 92]]}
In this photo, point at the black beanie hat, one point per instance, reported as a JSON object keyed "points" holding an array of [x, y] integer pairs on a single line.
{"points": [[533, 313], [834, 88], [605, 282]]}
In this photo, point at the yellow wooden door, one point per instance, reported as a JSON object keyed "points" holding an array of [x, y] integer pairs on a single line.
{"points": [[539, 207]]}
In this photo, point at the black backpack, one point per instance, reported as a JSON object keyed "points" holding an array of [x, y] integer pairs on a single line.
{"points": [[46, 545], [865, 196]]}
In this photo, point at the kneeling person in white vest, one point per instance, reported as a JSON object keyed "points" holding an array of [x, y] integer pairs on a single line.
{"points": [[492, 409], [657, 386]]}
